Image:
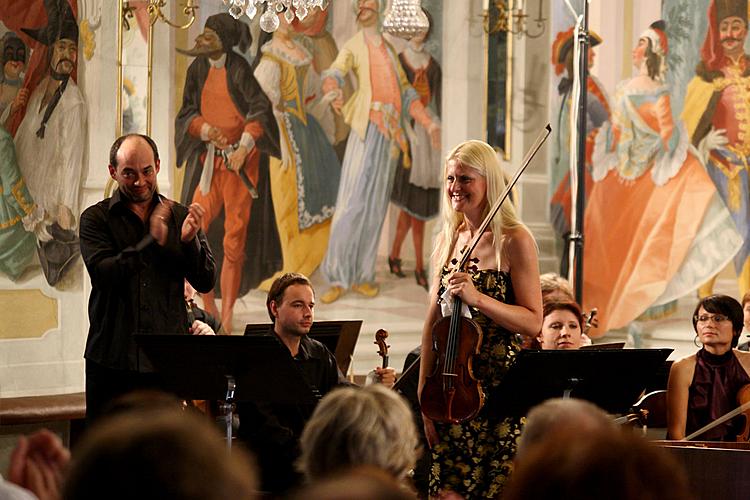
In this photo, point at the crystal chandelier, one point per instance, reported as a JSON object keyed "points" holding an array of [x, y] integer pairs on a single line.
{"points": [[269, 21], [405, 19]]}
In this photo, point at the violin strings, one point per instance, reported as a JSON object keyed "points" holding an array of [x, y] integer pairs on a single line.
{"points": [[452, 341]]}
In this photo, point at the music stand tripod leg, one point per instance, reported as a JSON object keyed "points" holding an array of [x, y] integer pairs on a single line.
{"points": [[227, 408], [572, 382]]}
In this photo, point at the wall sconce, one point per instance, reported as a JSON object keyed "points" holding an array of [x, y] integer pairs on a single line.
{"points": [[505, 16], [154, 12], [127, 13]]}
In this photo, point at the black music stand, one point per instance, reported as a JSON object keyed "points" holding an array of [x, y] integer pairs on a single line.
{"points": [[229, 368], [613, 379], [340, 337], [606, 345]]}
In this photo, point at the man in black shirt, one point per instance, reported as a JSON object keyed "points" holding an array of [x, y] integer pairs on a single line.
{"points": [[138, 248], [273, 431]]}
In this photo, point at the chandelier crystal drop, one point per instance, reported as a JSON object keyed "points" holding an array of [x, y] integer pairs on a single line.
{"points": [[269, 20], [405, 19]]}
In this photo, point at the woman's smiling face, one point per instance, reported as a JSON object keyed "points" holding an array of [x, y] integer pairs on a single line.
{"points": [[466, 187]]}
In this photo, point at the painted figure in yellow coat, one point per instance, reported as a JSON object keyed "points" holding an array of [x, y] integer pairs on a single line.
{"points": [[717, 116], [304, 182]]}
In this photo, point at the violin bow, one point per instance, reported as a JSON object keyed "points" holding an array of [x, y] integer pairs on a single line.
{"points": [[719, 421]]}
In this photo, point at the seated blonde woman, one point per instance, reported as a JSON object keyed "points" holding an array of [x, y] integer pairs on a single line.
{"points": [[371, 426], [562, 326]]}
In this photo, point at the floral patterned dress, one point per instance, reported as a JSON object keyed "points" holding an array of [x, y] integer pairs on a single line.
{"points": [[474, 458]]}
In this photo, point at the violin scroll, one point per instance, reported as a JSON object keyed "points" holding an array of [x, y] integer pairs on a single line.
{"points": [[380, 337]]}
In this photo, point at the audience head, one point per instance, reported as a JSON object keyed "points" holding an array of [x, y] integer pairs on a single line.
{"points": [[617, 465], [556, 288], [562, 416], [562, 327], [143, 400], [279, 287], [720, 305], [359, 426], [162, 454], [358, 483]]}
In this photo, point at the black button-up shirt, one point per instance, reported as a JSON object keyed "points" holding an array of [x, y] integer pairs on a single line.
{"points": [[272, 431], [137, 286]]}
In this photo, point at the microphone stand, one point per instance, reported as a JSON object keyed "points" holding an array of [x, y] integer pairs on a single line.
{"points": [[576, 237]]}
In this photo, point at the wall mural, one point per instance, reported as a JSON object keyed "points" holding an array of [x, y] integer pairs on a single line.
{"points": [[42, 138], [135, 68], [667, 197], [225, 132], [377, 140], [296, 163], [717, 116]]}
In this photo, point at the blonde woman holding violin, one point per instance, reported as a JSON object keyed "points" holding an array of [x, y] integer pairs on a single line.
{"points": [[502, 292], [704, 386]]}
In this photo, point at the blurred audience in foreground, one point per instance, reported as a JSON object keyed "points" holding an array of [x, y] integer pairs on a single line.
{"points": [[370, 426]]}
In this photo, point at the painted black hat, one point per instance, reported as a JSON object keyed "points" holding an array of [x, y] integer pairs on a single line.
{"points": [[61, 24]]}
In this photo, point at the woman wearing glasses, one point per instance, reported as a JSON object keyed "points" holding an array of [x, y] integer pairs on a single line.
{"points": [[704, 386]]}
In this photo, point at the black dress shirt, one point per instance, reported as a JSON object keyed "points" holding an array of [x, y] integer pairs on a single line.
{"points": [[273, 431], [137, 286]]}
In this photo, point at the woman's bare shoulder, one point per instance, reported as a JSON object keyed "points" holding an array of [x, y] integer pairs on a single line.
{"points": [[518, 238], [683, 366], [685, 361]]}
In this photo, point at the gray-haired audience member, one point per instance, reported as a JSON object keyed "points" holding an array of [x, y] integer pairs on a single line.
{"points": [[616, 465], [358, 483], [559, 415], [366, 426], [572, 449]]}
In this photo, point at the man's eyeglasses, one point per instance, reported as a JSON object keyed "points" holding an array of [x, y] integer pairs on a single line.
{"points": [[703, 318]]}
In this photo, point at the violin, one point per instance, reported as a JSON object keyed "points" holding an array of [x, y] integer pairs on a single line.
{"points": [[189, 304], [451, 392], [743, 399], [590, 320], [380, 337]]}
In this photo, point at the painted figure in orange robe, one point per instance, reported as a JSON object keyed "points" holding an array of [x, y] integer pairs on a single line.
{"points": [[223, 133], [655, 226]]}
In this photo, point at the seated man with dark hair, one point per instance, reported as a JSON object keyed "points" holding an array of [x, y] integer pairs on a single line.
{"points": [[272, 431]]}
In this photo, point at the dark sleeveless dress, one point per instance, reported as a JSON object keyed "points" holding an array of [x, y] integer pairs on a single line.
{"points": [[713, 393], [474, 458]]}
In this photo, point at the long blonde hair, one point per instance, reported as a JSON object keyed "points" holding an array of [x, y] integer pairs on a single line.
{"points": [[479, 156]]}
